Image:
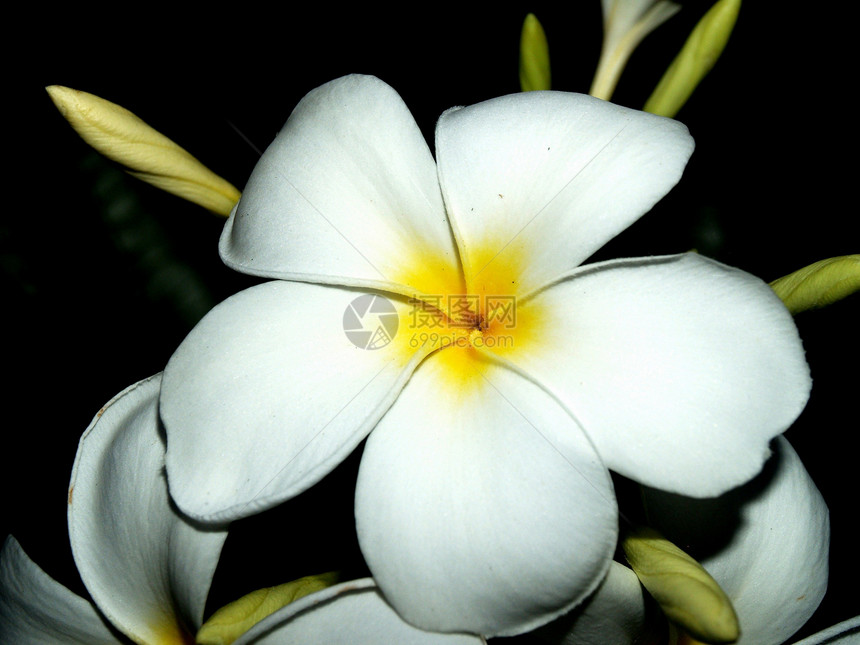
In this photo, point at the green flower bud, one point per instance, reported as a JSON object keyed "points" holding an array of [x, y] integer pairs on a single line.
{"points": [[534, 56], [819, 284], [148, 155], [231, 621], [697, 57], [686, 593]]}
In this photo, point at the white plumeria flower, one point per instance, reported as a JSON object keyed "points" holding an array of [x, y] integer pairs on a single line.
{"points": [[147, 568], [766, 543], [483, 501]]}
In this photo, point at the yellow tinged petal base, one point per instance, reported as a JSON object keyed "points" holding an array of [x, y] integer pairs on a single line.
{"points": [[231, 621], [150, 156], [168, 631], [819, 284], [464, 315], [686, 593]]}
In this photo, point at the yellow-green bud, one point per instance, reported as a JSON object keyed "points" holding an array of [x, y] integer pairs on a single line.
{"points": [[698, 55], [231, 621], [686, 593], [534, 56], [148, 155], [819, 284]]}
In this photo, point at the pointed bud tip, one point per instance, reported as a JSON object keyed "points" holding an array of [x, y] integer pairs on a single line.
{"points": [[696, 58], [61, 96], [534, 56]]}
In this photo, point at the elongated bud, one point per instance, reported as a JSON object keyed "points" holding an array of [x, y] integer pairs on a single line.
{"points": [[819, 284], [625, 24], [534, 56], [231, 621], [698, 55], [148, 155], [686, 593]]}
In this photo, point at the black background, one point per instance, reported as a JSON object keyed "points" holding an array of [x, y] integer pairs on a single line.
{"points": [[102, 276]]}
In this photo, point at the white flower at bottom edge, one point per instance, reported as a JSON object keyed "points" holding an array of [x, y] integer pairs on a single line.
{"points": [[766, 543], [147, 568], [483, 501]]}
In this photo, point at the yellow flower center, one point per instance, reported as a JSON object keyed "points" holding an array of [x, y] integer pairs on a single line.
{"points": [[463, 316]]}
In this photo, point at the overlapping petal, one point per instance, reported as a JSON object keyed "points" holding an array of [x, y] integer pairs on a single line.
{"points": [[487, 510], [679, 368], [615, 614], [35, 609], [345, 188], [147, 567], [536, 182], [766, 544], [268, 394], [351, 613], [845, 633]]}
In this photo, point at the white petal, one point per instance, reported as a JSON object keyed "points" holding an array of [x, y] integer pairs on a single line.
{"points": [[845, 633], [147, 568], [680, 369], [615, 614], [345, 188], [536, 182], [765, 543], [267, 394], [480, 505], [37, 610], [351, 613]]}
